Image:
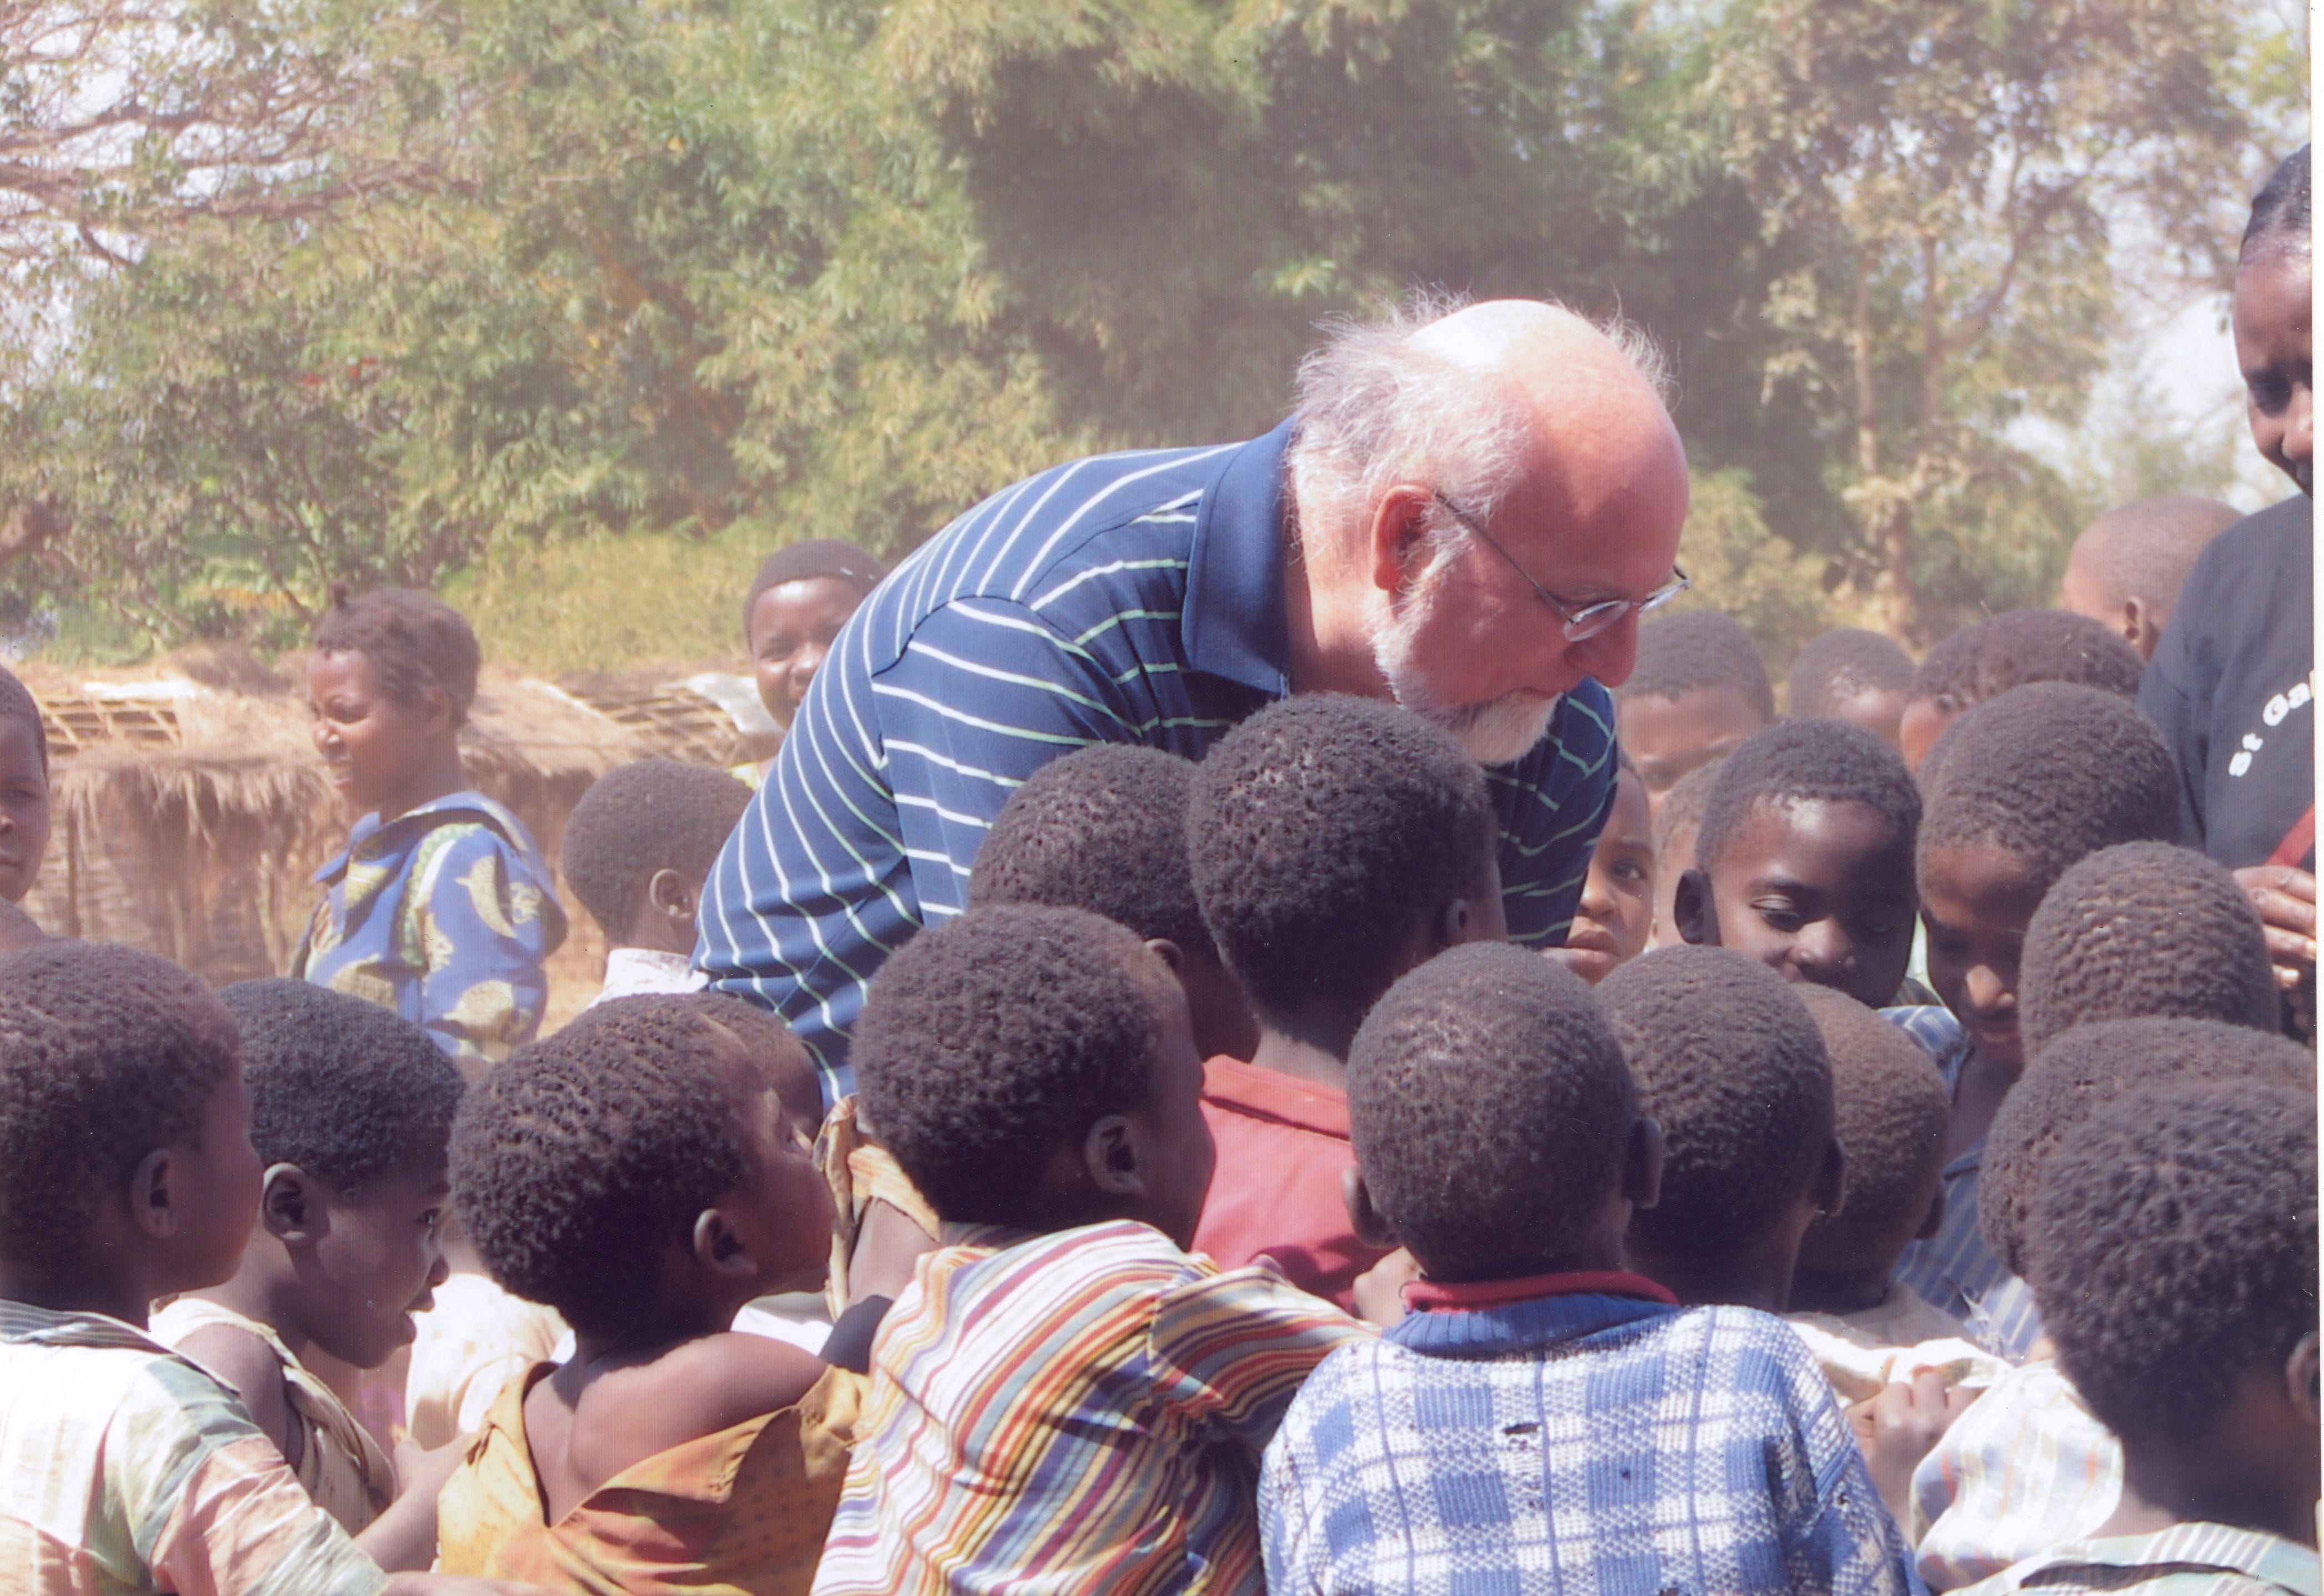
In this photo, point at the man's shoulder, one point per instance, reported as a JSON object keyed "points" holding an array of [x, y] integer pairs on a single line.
{"points": [[2262, 556]]}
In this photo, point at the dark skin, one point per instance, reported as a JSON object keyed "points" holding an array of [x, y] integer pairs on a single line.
{"points": [[1924, 721], [1976, 899], [23, 807], [1757, 1276], [1617, 911], [2256, 1469], [386, 756], [664, 917], [789, 634], [1819, 891], [1878, 710], [1815, 1291], [1667, 737]]}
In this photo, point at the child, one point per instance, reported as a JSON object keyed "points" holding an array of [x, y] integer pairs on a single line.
{"points": [[1545, 1421], [637, 1172], [1699, 687], [2144, 928], [2028, 1466], [1617, 911], [350, 1110], [1804, 859], [800, 598], [23, 788], [2175, 1250], [1336, 842], [2017, 790], [126, 1174], [1677, 824], [637, 850], [441, 907], [1730, 1065], [2129, 565], [2008, 651], [1855, 675], [1064, 1399]]}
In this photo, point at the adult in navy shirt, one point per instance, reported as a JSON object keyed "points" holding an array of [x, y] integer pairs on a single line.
{"points": [[1466, 514]]}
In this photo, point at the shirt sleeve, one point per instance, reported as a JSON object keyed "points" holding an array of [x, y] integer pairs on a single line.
{"points": [[1847, 1541], [1231, 1350], [1553, 804], [486, 930], [213, 1509]]}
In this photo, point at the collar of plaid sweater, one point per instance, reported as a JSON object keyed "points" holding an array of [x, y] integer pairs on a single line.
{"points": [[1488, 1317]]}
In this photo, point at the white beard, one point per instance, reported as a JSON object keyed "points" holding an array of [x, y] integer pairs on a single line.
{"points": [[1498, 732]]}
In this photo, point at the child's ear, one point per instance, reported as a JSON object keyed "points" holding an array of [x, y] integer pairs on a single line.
{"points": [[288, 1205], [1935, 1221], [1692, 907], [2301, 1380], [718, 1248], [152, 1194], [1170, 953], [1372, 1227], [671, 895], [1113, 1159], [1830, 1192], [1642, 1163], [2134, 620]]}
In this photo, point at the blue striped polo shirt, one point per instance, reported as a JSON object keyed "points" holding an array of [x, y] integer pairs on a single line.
{"points": [[1122, 598]]}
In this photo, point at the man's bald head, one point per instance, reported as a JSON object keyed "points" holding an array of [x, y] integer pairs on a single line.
{"points": [[2127, 567]]}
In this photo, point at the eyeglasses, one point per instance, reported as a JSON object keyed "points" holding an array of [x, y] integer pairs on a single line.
{"points": [[1590, 620]]}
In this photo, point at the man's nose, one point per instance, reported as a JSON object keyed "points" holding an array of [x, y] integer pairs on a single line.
{"points": [[1611, 655]]}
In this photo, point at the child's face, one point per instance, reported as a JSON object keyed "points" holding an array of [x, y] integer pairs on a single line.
{"points": [[782, 1211], [379, 1258], [1667, 737], [1617, 896], [23, 807], [1176, 1155], [371, 744], [1924, 721], [1977, 898], [791, 629], [214, 1186], [1821, 892]]}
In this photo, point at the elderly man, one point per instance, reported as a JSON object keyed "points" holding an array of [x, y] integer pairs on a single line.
{"points": [[1466, 514]]}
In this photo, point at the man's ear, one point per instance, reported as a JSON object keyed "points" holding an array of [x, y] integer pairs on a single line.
{"points": [[1935, 1220], [720, 1248], [1830, 1192], [672, 895], [290, 1206], [1642, 1163], [1692, 908], [1372, 1227], [1113, 1159], [1393, 538], [2300, 1378], [154, 1196], [1170, 953]]}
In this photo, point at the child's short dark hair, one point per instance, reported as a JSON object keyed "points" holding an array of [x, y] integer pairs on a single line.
{"points": [[773, 1047], [2175, 1250], [343, 1088], [1808, 762], [2089, 1067], [2278, 221], [1891, 1107], [2051, 772], [1981, 662], [650, 814], [1103, 829], [1320, 831], [839, 560], [582, 1157], [17, 702], [1699, 649], [991, 1039], [1842, 663], [1683, 807], [1728, 1059], [413, 640], [2144, 929], [1491, 1109], [106, 1054]]}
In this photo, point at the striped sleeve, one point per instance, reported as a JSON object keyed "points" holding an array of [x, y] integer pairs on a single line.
{"points": [[1231, 1350], [1553, 804]]}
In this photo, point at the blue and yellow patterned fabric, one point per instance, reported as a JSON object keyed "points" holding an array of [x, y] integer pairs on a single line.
{"points": [[444, 914]]}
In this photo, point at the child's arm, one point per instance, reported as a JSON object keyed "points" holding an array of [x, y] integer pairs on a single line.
{"points": [[247, 1366], [404, 1537]]}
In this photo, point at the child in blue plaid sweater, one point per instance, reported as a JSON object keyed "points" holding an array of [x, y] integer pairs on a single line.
{"points": [[1544, 1421]]}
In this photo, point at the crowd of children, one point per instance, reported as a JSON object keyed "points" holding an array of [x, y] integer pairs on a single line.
{"points": [[1904, 1178]]}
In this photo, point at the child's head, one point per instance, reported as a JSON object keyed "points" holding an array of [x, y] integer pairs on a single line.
{"points": [[23, 788], [781, 1056], [389, 685], [2016, 792], [1731, 1066], [1616, 914], [1700, 688], [1337, 842], [1104, 829], [1496, 1125], [125, 1167], [351, 1113], [1804, 859], [637, 1173], [2129, 565], [1852, 675], [641, 842], [1983, 661], [2140, 929], [1892, 1107], [1677, 826], [2173, 1245], [2093, 1065], [802, 595], [1035, 1066]]}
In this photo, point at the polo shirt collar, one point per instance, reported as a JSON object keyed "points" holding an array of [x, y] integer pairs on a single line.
{"points": [[1233, 625]]}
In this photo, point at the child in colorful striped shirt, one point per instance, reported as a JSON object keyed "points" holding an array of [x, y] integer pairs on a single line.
{"points": [[1064, 1399]]}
